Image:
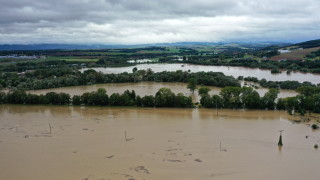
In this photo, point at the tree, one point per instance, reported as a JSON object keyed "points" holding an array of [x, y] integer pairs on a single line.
{"points": [[100, 97], [231, 97], [250, 98], [216, 101], [135, 69], [138, 100], [64, 98], [268, 100], [192, 84], [32, 99], [203, 90], [53, 97], [114, 99], [148, 101], [205, 101], [17, 97], [183, 101], [3, 98], [164, 98], [76, 100]]}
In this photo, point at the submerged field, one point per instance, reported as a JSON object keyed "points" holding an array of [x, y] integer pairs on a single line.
{"points": [[141, 143]]}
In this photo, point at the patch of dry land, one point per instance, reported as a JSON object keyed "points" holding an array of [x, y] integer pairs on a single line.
{"points": [[101, 143]]}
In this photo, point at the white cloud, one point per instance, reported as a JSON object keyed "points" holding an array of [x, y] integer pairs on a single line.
{"points": [[156, 21]]}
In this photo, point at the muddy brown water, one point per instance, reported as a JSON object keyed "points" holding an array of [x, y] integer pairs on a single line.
{"points": [[227, 70], [88, 143], [146, 88]]}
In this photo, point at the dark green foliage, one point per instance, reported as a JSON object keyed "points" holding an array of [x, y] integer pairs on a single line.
{"points": [[183, 101], [192, 84], [214, 101], [76, 100], [231, 97], [58, 98], [203, 90], [314, 126], [281, 104], [268, 101], [69, 77], [164, 98], [309, 44], [250, 98], [148, 101], [32, 99], [17, 97], [275, 71], [115, 99], [138, 101], [3, 97]]}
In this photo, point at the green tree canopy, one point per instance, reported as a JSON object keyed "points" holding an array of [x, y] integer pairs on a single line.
{"points": [[164, 98], [192, 84], [203, 90]]}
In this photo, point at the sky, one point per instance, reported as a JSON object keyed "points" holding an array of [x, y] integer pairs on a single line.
{"points": [[157, 21]]}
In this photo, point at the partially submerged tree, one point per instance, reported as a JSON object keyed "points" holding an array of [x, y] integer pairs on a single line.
{"points": [[203, 90], [192, 84]]}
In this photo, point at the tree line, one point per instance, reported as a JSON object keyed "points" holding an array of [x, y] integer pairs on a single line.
{"points": [[61, 77], [163, 98], [308, 99], [292, 85]]}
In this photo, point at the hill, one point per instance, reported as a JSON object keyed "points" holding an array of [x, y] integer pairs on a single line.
{"points": [[297, 54], [299, 51], [309, 44], [28, 47]]}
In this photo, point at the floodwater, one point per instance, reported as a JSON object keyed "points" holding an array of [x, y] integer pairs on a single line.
{"points": [[146, 88], [230, 71], [89, 143]]}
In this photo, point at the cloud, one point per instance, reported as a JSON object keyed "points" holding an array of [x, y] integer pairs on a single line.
{"points": [[155, 21]]}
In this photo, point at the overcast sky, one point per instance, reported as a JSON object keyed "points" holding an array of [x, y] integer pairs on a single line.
{"points": [[157, 21]]}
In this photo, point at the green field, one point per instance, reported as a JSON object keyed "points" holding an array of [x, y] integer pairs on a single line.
{"points": [[72, 59]]}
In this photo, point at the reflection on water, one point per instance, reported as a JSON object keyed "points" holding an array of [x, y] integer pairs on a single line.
{"points": [[231, 71], [89, 143]]}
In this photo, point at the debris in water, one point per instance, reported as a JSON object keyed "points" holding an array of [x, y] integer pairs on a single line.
{"points": [[141, 169], [109, 157]]}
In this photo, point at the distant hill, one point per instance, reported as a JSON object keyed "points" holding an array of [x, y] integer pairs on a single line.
{"points": [[55, 46], [297, 54], [11, 47], [309, 44], [299, 51]]}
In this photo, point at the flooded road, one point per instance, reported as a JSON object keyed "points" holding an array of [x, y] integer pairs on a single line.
{"points": [[230, 71], [146, 88], [93, 143]]}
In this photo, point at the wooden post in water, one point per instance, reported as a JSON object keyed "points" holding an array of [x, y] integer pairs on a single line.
{"points": [[280, 139], [50, 128]]}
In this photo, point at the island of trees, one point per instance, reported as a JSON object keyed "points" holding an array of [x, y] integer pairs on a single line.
{"points": [[308, 99]]}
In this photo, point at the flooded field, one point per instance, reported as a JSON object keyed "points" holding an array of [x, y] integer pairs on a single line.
{"points": [[146, 88], [93, 143], [231, 71]]}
